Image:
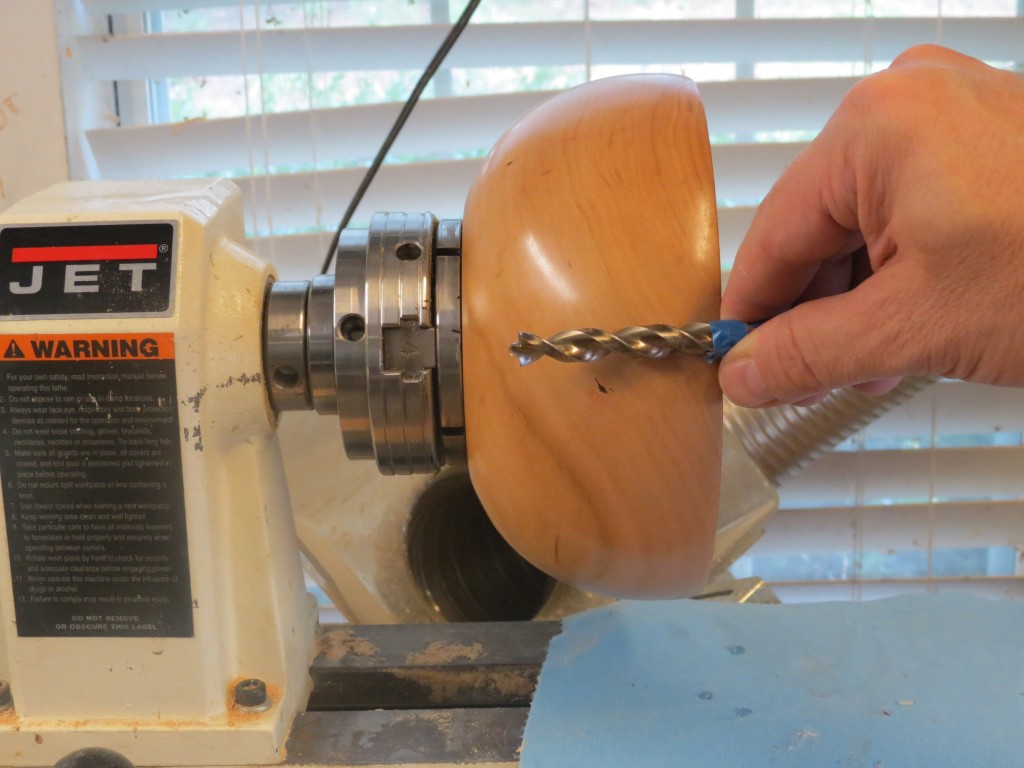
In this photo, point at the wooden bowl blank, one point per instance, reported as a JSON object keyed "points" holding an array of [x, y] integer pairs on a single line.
{"points": [[597, 209]]}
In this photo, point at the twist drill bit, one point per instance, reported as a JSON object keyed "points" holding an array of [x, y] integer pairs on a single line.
{"points": [[588, 344]]}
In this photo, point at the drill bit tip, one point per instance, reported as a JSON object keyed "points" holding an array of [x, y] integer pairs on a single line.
{"points": [[526, 349]]}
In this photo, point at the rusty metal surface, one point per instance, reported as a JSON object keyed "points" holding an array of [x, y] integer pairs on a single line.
{"points": [[440, 736], [429, 666]]}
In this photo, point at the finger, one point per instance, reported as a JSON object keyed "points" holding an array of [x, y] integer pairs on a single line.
{"points": [[794, 230], [833, 276], [879, 386], [866, 335], [838, 276], [814, 399]]}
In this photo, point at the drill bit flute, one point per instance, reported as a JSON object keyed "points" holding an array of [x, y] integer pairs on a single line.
{"points": [[586, 345]]}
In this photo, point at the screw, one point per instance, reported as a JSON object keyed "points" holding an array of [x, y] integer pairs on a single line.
{"points": [[6, 699], [251, 695]]}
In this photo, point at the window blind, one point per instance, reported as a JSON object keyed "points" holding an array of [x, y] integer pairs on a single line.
{"points": [[293, 99]]}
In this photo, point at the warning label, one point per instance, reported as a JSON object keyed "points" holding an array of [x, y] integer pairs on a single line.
{"points": [[90, 467], [114, 347]]}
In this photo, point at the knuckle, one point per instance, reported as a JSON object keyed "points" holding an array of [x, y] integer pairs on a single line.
{"points": [[923, 53], [863, 94], [885, 109], [882, 92], [871, 102]]}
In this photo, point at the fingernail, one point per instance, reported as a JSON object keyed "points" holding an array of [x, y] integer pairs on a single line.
{"points": [[742, 383], [812, 400]]}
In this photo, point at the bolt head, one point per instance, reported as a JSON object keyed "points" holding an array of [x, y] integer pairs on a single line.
{"points": [[251, 694], [94, 757]]}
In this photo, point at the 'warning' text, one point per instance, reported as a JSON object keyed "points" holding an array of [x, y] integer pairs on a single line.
{"points": [[78, 349]]}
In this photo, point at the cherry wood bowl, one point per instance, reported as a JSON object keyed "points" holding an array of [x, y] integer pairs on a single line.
{"points": [[597, 209]]}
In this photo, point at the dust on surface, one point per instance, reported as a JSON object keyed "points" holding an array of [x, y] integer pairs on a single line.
{"points": [[339, 643], [444, 653], [447, 685]]}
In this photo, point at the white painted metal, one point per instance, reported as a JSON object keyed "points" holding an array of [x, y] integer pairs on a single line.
{"points": [[158, 700], [352, 522], [32, 152]]}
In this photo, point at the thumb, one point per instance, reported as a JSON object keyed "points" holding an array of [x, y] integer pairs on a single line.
{"points": [[866, 334]]}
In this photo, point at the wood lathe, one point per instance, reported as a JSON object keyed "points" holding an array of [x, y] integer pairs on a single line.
{"points": [[153, 605]]}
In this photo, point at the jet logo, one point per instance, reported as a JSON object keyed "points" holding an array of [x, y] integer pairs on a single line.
{"points": [[113, 269], [83, 278]]}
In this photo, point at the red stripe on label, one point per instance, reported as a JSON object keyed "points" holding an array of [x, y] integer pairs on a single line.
{"points": [[144, 252]]}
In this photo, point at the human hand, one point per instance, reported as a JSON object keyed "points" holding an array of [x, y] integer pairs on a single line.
{"points": [[894, 243]]}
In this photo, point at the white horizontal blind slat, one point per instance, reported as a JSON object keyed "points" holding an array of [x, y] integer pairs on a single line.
{"points": [[151, 6], [733, 223], [540, 44], [992, 587], [895, 476], [297, 257], [786, 104], [745, 172], [204, 146], [443, 125], [895, 527], [742, 172], [294, 198], [797, 40], [327, 50], [954, 408]]}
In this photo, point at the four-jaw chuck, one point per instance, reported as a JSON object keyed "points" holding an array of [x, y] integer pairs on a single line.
{"points": [[378, 343]]}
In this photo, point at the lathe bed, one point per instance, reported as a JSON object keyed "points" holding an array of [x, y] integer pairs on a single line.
{"points": [[432, 693]]}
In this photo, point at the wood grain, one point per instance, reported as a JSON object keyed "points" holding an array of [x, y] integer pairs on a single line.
{"points": [[597, 209]]}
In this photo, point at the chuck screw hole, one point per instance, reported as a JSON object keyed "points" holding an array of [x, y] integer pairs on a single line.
{"points": [[409, 251], [352, 327], [285, 377]]}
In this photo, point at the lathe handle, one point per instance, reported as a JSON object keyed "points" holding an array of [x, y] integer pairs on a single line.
{"points": [[597, 209]]}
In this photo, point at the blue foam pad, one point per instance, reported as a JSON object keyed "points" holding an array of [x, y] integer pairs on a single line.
{"points": [[927, 680]]}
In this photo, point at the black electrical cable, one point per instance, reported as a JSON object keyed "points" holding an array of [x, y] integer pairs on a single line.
{"points": [[414, 97]]}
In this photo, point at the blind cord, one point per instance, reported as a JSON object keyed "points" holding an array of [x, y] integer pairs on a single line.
{"points": [[414, 97]]}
